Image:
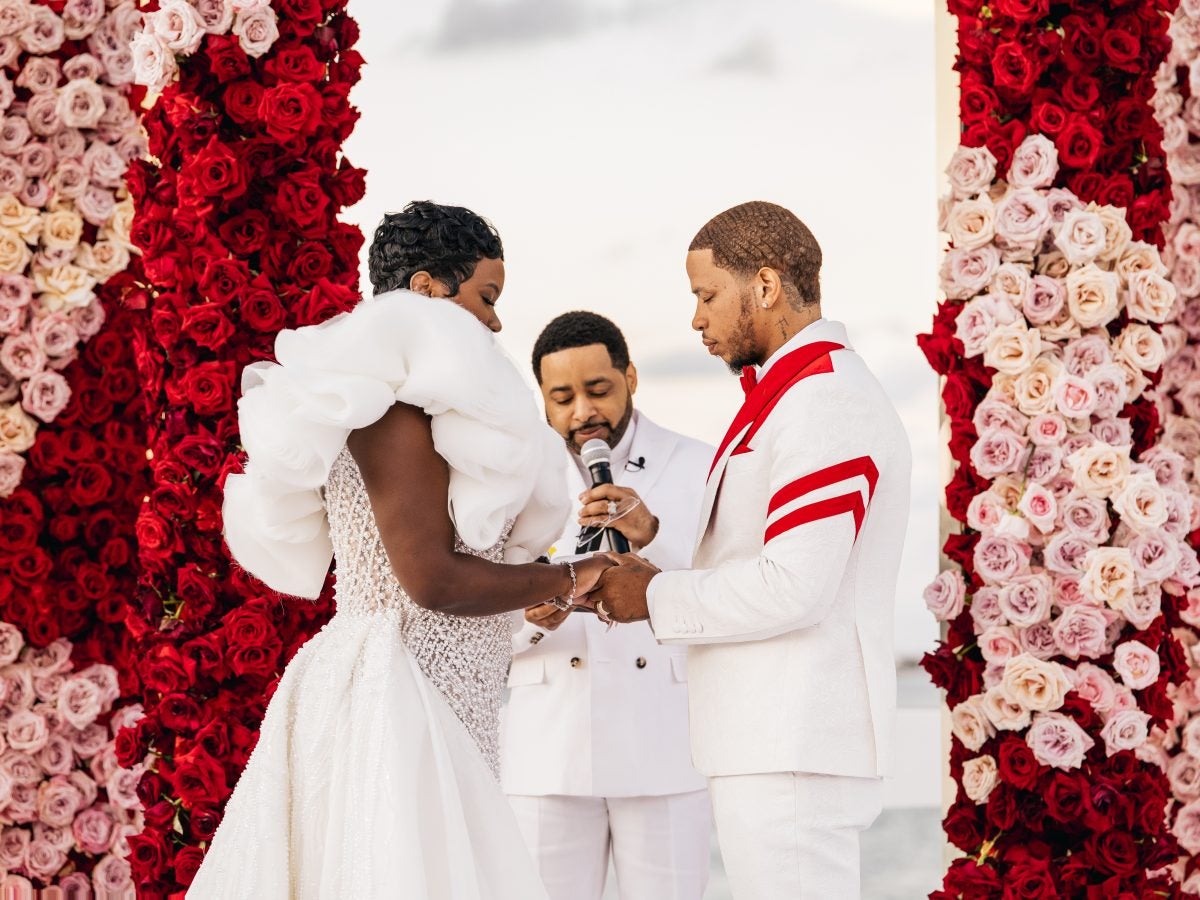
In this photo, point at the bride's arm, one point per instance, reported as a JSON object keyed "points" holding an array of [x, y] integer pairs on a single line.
{"points": [[408, 482]]}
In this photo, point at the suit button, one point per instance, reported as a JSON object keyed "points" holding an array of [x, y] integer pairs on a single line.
{"points": [[641, 662], [576, 662]]}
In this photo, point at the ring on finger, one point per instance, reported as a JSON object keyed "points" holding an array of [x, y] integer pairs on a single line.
{"points": [[612, 507]]}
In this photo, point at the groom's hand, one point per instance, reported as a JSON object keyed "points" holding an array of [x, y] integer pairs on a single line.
{"points": [[622, 589]]}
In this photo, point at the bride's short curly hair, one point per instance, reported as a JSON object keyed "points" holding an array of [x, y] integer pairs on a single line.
{"points": [[445, 241]]}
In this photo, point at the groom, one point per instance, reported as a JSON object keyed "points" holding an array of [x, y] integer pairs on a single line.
{"points": [[787, 612]]}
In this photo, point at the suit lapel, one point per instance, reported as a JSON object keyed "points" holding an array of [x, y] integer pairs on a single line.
{"points": [[713, 485], [654, 445]]}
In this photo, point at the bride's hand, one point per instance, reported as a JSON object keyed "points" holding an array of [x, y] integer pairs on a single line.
{"points": [[587, 574]]}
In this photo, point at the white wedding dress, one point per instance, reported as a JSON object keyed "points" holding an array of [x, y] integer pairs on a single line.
{"points": [[375, 771]]}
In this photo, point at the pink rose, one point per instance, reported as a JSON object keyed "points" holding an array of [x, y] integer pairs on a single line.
{"points": [[945, 595], [35, 192], [1039, 507], [1137, 664], [80, 104], [14, 847], [997, 452], [84, 65], [1115, 432], [104, 763], [40, 75], [986, 612], [126, 717], [45, 395], [1080, 237], [1057, 741], [44, 860], [1045, 301], [965, 273], [20, 686], [58, 802], [977, 320], [1022, 218], [1187, 826], [993, 413], [85, 784], [94, 830], [1085, 354], [971, 171], [69, 143], [1044, 463], [87, 742], [42, 114], [1183, 771], [96, 205], [1060, 202], [1125, 730], [256, 30], [970, 724], [27, 731], [80, 701], [112, 876], [217, 15], [1155, 556], [999, 558], [88, 320], [1066, 554], [1025, 600], [1038, 640], [11, 642], [999, 644], [1080, 630], [1096, 686], [1086, 517], [1187, 575], [21, 356], [1066, 591], [1144, 607], [154, 64], [51, 659], [57, 757], [1075, 397], [179, 26], [122, 787], [104, 165], [1151, 297], [1048, 430], [14, 18], [44, 34], [1034, 163]]}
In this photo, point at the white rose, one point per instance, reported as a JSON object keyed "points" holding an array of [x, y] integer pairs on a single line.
{"points": [[1092, 296], [1012, 349], [1037, 685], [979, 777], [1108, 577], [1151, 297], [1080, 237], [972, 223]]}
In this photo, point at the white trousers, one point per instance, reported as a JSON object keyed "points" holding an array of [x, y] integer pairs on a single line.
{"points": [[791, 835], [659, 845]]}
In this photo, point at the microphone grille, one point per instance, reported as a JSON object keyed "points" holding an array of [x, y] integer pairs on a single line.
{"points": [[595, 451]]}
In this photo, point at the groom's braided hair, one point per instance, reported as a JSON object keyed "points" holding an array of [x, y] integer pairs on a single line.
{"points": [[445, 241], [758, 234]]}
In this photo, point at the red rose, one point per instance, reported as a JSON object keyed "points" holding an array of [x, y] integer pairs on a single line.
{"points": [[204, 657], [246, 231], [199, 778], [201, 451], [1121, 49], [208, 326], [1081, 92], [290, 110], [310, 262], [1078, 143], [1017, 764], [30, 567], [959, 679], [155, 534], [1064, 796], [1014, 71], [262, 311], [148, 852], [325, 300], [1023, 10], [208, 387], [89, 484], [202, 822], [224, 280], [963, 827], [349, 184], [1048, 118], [161, 815], [226, 59], [306, 11], [1030, 881], [297, 63], [969, 880], [304, 204], [217, 173], [1081, 48], [242, 102], [1115, 851], [163, 670], [131, 745], [18, 530]]}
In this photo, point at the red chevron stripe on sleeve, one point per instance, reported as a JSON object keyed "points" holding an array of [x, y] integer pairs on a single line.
{"points": [[852, 502]]}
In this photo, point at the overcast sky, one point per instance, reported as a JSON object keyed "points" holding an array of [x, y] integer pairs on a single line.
{"points": [[599, 135]]}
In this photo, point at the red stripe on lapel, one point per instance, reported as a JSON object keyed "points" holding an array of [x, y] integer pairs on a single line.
{"points": [[810, 359]]}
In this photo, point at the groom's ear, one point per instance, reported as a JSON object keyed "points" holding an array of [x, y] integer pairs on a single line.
{"points": [[768, 287], [631, 377]]}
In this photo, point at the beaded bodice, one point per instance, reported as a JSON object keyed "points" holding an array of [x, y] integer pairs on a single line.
{"points": [[466, 658]]}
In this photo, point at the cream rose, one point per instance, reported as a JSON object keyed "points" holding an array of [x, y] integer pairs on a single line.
{"points": [[969, 724], [256, 30], [979, 777], [1037, 685], [1137, 664], [1108, 577], [1002, 713], [1034, 163], [1099, 470], [1012, 349], [17, 429], [1151, 297], [1141, 502], [971, 171], [1080, 237], [972, 223], [62, 229], [1092, 295]]}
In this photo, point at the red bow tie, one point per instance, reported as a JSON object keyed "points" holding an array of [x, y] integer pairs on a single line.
{"points": [[749, 379]]}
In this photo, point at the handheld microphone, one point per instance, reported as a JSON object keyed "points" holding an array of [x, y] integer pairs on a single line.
{"points": [[597, 457]]}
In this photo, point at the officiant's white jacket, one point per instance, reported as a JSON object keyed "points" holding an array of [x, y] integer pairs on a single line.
{"points": [[603, 713], [788, 611]]}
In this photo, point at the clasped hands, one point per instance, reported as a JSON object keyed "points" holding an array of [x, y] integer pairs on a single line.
{"points": [[612, 583]]}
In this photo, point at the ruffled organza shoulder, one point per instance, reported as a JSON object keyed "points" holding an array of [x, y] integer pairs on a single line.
{"points": [[296, 414]]}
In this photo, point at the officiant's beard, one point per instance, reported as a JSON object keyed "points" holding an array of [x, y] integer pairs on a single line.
{"points": [[614, 432], [744, 353]]}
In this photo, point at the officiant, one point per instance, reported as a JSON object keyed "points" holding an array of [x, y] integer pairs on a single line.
{"points": [[594, 740]]}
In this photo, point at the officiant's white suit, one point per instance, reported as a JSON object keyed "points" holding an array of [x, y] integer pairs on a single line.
{"points": [[594, 739], [787, 616]]}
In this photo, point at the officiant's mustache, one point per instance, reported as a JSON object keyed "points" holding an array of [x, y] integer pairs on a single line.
{"points": [[593, 425]]}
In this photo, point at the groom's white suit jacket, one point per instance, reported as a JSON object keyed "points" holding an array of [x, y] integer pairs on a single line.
{"points": [[787, 612], [604, 713]]}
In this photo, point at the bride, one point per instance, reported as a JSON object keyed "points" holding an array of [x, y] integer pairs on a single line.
{"points": [[399, 441]]}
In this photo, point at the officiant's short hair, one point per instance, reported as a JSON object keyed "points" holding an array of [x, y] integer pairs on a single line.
{"points": [[580, 329], [758, 234]]}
